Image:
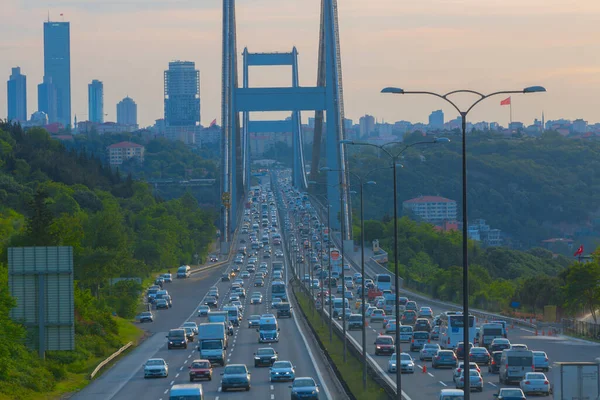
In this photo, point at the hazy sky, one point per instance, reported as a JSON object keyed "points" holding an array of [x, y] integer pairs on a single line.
{"points": [[437, 45]]}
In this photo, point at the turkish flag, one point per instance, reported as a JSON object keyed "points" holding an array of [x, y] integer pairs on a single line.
{"points": [[505, 102], [579, 251], [213, 123]]}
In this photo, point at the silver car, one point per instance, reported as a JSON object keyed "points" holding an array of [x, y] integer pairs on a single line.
{"points": [[429, 351], [535, 382], [475, 379]]}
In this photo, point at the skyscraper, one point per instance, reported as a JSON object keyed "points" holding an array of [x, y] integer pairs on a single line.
{"points": [[57, 65], [127, 112], [17, 95], [47, 99], [436, 119], [367, 125], [96, 101], [182, 94]]}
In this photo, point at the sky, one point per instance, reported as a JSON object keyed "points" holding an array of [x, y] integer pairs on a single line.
{"points": [[433, 45]]}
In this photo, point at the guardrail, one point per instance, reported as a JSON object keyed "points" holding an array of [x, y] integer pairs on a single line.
{"points": [[109, 359]]}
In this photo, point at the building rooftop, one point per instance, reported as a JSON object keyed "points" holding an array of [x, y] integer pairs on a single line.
{"points": [[124, 145], [430, 199]]}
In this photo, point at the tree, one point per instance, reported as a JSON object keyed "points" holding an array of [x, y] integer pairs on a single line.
{"points": [[39, 223], [582, 287]]}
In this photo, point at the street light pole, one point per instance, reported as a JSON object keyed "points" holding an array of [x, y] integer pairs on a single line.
{"points": [[465, 248], [342, 226]]}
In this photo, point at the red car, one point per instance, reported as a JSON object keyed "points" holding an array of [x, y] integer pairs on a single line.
{"points": [[384, 344], [200, 369]]}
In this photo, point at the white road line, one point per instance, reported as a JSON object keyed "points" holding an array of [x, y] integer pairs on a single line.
{"points": [[420, 366], [493, 384], [185, 362], [219, 389], [181, 369], [430, 374], [172, 382], [190, 356], [177, 376], [217, 398], [272, 388], [272, 396], [166, 391], [443, 383], [527, 330]]}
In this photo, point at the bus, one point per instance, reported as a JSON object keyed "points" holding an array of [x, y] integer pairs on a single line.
{"points": [[383, 281], [278, 290], [451, 333]]}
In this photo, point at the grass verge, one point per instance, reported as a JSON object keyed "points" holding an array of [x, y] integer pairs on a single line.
{"points": [[351, 370]]}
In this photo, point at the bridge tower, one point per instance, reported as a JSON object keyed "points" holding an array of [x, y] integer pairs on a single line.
{"points": [[326, 99]]}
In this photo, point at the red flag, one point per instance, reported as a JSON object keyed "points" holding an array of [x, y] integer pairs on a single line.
{"points": [[505, 102], [579, 251], [213, 123]]}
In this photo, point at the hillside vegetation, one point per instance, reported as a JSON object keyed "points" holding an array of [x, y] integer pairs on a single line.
{"points": [[50, 196]]}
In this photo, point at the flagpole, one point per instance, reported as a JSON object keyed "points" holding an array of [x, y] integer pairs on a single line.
{"points": [[510, 110]]}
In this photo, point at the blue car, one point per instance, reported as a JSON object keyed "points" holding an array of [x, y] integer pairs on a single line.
{"points": [[541, 361], [282, 371], [305, 388]]}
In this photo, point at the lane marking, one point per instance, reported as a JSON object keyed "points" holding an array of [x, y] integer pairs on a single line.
{"points": [[166, 391], [272, 396], [219, 389], [443, 383], [181, 369], [185, 362], [177, 376], [420, 366], [493, 384], [430, 374], [272, 388], [172, 382]]}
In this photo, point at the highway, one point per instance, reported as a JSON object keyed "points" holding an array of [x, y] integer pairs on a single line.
{"points": [[427, 382], [126, 380]]}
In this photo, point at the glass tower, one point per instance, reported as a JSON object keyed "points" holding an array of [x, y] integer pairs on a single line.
{"points": [[182, 94], [96, 101], [57, 65], [17, 96]]}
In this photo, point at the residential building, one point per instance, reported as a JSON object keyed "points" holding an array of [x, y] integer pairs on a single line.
{"points": [[432, 209], [47, 101], [96, 101], [436, 119], [57, 65], [127, 112], [119, 152], [579, 126], [17, 95], [182, 94], [480, 231], [367, 125]]}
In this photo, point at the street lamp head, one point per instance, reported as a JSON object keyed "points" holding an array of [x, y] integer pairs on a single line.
{"points": [[312, 182], [393, 90], [441, 140], [371, 183], [398, 165], [346, 141], [323, 169], [534, 89]]}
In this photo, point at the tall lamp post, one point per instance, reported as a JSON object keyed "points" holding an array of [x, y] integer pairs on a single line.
{"points": [[395, 164], [463, 114], [362, 269]]}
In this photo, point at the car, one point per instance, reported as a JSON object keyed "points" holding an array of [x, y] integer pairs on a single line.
{"points": [[191, 324], [168, 299], [225, 277], [355, 321], [189, 333], [407, 364], [250, 268], [480, 355], [282, 371], [305, 388], [435, 332], [494, 365], [428, 351], [235, 376], [451, 394], [444, 358], [499, 344], [214, 258], [256, 300], [384, 344], [276, 301], [213, 292], [541, 361], [518, 347], [146, 316], [369, 311], [475, 380], [510, 394], [200, 369], [460, 348], [422, 325], [177, 338], [238, 304], [254, 321], [159, 281], [168, 277], [459, 369], [259, 282], [425, 312], [265, 356], [211, 302], [203, 311], [535, 382], [377, 315], [162, 304], [233, 297], [156, 367], [245, 275], [390, 327]]}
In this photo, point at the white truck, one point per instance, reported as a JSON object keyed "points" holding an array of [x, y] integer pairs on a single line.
{"points": [[212, 342], [576, 380]]}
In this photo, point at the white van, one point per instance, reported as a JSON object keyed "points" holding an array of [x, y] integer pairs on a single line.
{"points": [[452, 394], [184, 271], [187, 391], [514, 364]]}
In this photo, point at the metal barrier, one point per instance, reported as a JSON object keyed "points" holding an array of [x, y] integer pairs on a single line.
{"points": [[109, 359], [581, 328]]}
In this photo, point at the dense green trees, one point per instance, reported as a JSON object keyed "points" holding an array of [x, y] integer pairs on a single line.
{"points": [[51, 196]]}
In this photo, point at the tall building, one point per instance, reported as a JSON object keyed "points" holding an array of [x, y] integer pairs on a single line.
{"points": [[127, 112], [436, 119], [96, 101], [432, 209], [57, 65], [182, 94], [47, 99], [367, 125], [17, 95]]}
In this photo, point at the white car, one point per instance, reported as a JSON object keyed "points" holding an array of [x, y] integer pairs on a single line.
{"points": [[429, 351], [406, 363], [156, 367], [535, 382], [191, 324], [168, 277], [203, 311]]}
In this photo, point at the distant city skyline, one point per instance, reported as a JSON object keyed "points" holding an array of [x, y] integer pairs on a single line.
{"points": [[491, 46], [57, 65]]}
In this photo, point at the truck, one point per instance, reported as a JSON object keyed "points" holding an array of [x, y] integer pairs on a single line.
{"points": [[576, 380], [268, 330], [389, 304], [217, 316], [277, 266], [212, 342], [373, 293], [489, 332]]}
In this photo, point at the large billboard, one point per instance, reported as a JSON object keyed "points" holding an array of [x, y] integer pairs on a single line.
{"points": [[41, 281]]}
